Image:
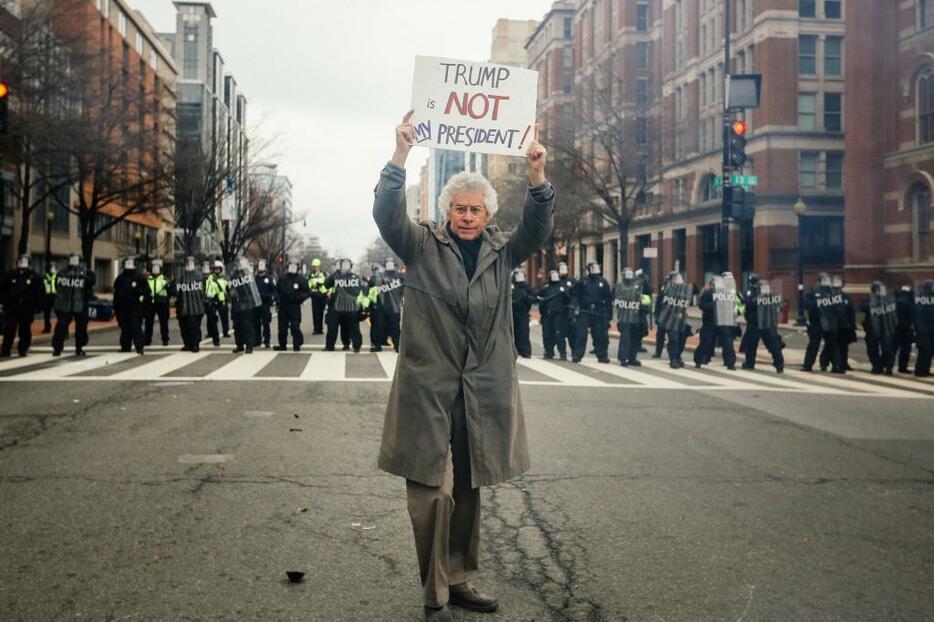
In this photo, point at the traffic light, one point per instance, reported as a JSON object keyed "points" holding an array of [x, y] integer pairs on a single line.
{"points": [[4, 107], [737, 144]]}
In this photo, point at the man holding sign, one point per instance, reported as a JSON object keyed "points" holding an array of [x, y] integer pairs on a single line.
{"points": [[454, 420]]}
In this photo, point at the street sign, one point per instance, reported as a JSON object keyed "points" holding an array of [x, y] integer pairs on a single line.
{"points": [[738, 180], [650, 252]]}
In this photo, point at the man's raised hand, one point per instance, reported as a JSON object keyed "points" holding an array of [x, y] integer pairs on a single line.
{"points": [[537, 156], [405, 138]]}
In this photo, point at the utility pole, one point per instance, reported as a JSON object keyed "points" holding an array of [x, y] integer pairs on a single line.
{"points": [[727, 187]]}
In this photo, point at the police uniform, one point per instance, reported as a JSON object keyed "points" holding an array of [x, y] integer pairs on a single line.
{"points": [[904, 332], [924, 328], [244, 301], [553, 301], [522, 300], [266, 285], [73, 288], [879, 323], [22, 294], [188, 290], [157, 305], [761, 315], [48, 280], [292, 290], [592, 299], [628, 302], [215, 289], [130, 295], [316, 281], [346, 294]]}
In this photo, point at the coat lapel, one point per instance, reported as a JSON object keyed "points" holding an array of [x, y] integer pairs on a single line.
{"points": [[489, 253]]}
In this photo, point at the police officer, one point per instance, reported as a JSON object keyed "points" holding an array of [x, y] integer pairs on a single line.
{"points": [[244, 301], [568, 282], [22, 295], [628, 301], [592, 300], [879, 323], [660, 331], [346, 294], [673, 317], [215, 289], [48, 280], [158, 304], [130, 295], [73, 288], [316, 279], [291, 292], [390, 302], [726, 306], [822, 322], [553, 301], [762, 307], [708, 330], [845, 334], [644, 311], [904, 329], [377, 332], [522, 301], [266, 285], [188, 290], [924, 328]]}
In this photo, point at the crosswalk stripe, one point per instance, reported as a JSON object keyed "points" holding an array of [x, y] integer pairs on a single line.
{"points": [[388, 361], [559, 373], [65, 369], [243, 367], [891, 381], [709, 379], [161, 366], [325, 366], [840, 383], [628, 373], [25, 361]]}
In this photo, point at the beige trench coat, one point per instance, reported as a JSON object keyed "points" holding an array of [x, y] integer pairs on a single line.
{"points": [[455, 336]]}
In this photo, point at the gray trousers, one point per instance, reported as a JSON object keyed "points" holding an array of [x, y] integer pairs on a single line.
{"points": [[446, 519]]}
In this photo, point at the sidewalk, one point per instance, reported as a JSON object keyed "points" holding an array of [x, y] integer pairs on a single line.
{"points": [[94, 326]]}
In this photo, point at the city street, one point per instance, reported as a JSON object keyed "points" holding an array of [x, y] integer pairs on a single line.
{"points": [[184, 486]]}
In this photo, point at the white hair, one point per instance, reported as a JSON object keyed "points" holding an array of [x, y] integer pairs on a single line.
{"points": [[467, 182]]}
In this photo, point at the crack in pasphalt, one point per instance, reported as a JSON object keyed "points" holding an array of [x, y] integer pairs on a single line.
{"points": [[531, 550]]}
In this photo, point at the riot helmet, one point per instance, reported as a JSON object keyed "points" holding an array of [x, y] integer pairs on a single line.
{"points": [[753, 279], [244, 264], [518, 276], [218, 266], [927, 287], [74, 260], [390, 265], [628, 274], [877, 288], [346, 265], [293, 267], [562, 268], [157, 267], [316, 263], [376, 268], [553, 276], [261, 265], [189, 264], [595, 268], [52, 268], [677, 279], [836, 282], [129, 264], [23, 262], [823, 279]]}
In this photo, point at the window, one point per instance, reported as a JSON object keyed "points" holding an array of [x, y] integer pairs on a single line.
{"points": [[703, 40], [190, 65], [833, 56], [642, 55], [807, 8], [568, 27], [921, 206], [807, 55], [641, 130], [702, 89], [741, 62], [642, 17], [153, 59], [925, 13], [833, 112], [742, 15], [104, 7], [821, 240], [139, 43], [702, 136], [807, 112], [121, 23], [834, 176], [833, 9], [807, 169], [710, 191], [925, 105], [642, 92]]}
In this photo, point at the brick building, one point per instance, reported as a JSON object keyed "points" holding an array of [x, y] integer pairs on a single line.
{"points": [[888, 214], [667, 57]]}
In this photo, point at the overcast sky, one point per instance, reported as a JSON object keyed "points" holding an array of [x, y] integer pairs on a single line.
{"points": [[332, 79]]}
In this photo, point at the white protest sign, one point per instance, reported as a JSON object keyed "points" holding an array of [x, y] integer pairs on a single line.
{"points": [[468, 106]]}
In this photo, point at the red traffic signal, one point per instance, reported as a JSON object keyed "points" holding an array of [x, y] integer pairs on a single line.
{"points": [[4, 90], [280, 259], [739, 128]]}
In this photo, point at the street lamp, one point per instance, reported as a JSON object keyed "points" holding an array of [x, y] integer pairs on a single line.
{"points": [[49, 217], [800, 209], [137, 235]]}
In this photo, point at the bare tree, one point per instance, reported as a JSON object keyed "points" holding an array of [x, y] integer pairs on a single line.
{"points": [[200, 187], [36, 68], [614, 151], [378, 252], [264, 216]]}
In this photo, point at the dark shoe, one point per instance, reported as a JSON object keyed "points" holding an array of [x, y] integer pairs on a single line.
{"points": [[196, 349], [266, 345], [635, 363], [575, 360], [22, 354], [673, 364], [226, 335], [280, 348], [888, 372], [54, 353], [779, 370], [296, 348], [731, 367], [345, 348], [823, 368], [697, 365], [837, 371], [46, 331], [165, 342], [624, 363], [217, 342], [375, 349], [903, 370], [80, 353], [356, 350], [526, 356], [185, 349], [745, 366], [237, 350], [124, 349], [249, 350], [656, 356], [806, 368], [469, 598], [563, 357], [139, 351], [548, 357], [875, 371], [326, 349], [439, 614], [604, 361]]}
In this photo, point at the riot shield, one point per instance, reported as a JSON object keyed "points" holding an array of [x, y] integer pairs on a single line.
{"points": [[628, 301], [827, 303], [674, 309], [882, 315], [189, 294], [724, 297], [769, 304], [243, 290]]}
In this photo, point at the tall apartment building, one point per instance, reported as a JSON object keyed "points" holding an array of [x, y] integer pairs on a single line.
{"points": [[666, 57], [125, 44], [211, 111], [890, 160]]}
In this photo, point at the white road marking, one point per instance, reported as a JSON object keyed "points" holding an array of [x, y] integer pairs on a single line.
{"points": [[25, 361], [159, 368], [243, 367], [632, 374], [388, 362], [559, 373], [78, 366], [854, 388], [325, 366], [710, 379], [204, 458]]}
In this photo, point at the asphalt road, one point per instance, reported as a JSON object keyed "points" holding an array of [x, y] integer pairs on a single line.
{"points": [[702, 497]]}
